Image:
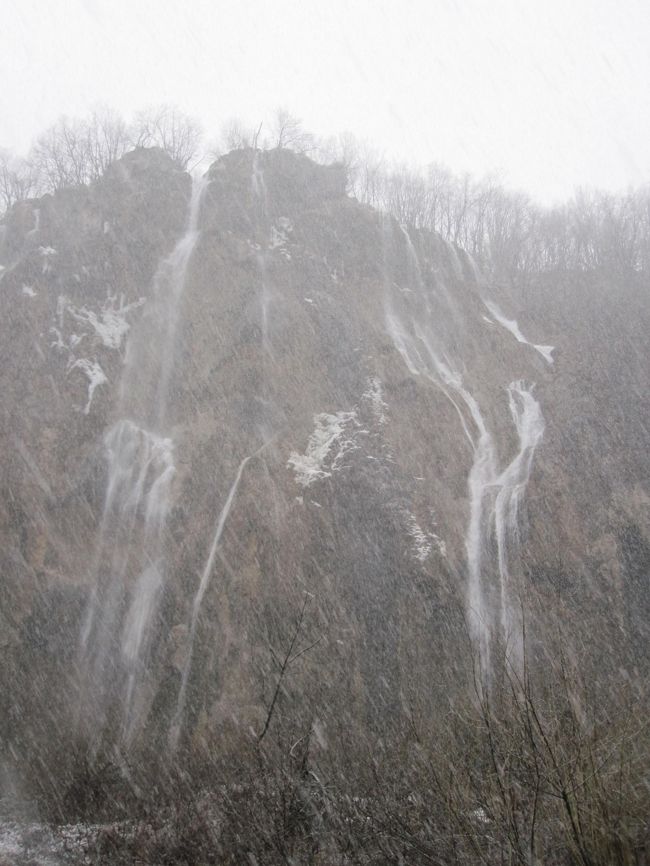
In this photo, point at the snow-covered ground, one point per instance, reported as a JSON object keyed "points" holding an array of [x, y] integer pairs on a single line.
{"points": [[36, 844]]}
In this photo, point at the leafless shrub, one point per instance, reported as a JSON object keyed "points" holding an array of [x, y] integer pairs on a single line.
{"points": [[528, 770]]}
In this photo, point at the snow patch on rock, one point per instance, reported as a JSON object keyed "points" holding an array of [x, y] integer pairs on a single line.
{"points": [[110, 323], [423, 543], [375, 398], [280, 236], [94, 374], [47, 254], [334, 436]]}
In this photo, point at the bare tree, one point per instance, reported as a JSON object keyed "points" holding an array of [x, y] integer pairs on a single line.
{"points": [[349, 152], [17, 179], [60, 155], [283, 663], [235, 135], [75, 151], [287, 131], [107, 139], [370, 173], [169, 128]]}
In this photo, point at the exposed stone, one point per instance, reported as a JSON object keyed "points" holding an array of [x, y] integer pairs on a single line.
{"points": [[283, 326]]}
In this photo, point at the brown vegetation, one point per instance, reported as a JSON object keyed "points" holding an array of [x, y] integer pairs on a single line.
{"points": [[536, 769]]}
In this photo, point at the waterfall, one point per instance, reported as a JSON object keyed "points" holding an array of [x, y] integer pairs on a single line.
{"points": [[511, 325], [494, 494], [129, 562], [511, 485], [414, 262], [261, 201], [258, 181], [204, 581], [149, 361]]}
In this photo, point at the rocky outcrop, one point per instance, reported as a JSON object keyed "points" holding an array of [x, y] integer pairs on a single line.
{"points": [[341, 417]]}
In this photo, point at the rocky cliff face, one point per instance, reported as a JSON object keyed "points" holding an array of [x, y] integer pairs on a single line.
{"points": [[248, 409]]}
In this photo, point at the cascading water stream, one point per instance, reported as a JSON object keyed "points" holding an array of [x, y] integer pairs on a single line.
{"points": [[414, 262], [129, 564], [494, 494], [511, 325], [261, 198], [200, 593], [512, 482]]}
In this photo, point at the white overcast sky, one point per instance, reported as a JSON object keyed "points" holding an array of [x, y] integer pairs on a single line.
{"points": [[550, 93]]}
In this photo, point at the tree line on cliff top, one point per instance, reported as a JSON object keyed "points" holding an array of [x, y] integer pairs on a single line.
{"points": [[506, 232]]}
